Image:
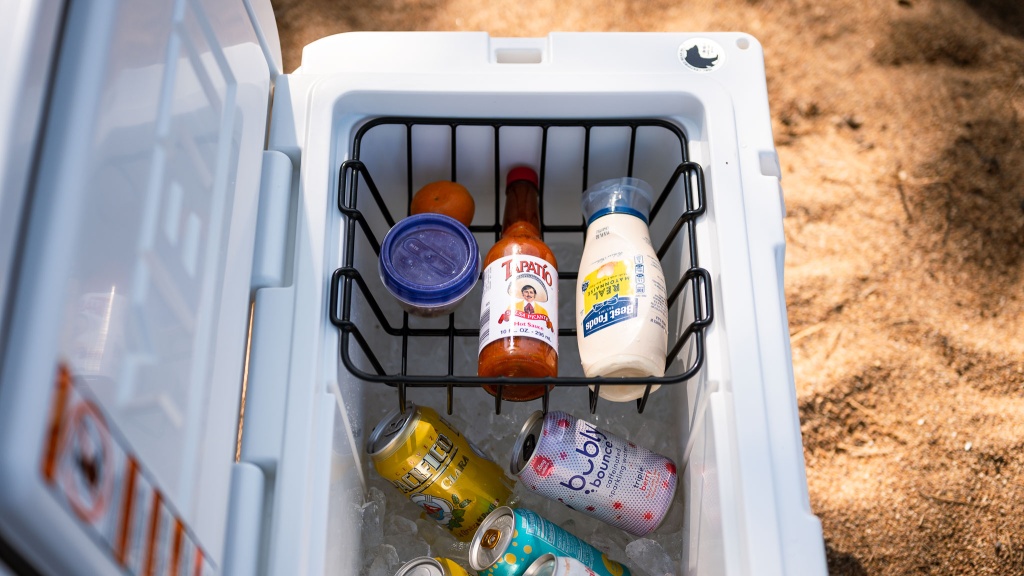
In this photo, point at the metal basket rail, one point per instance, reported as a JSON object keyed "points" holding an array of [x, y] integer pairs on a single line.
{"points": [[347, 280]]}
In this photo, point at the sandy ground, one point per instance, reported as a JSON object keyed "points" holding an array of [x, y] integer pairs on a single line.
{"points": [[899, 124]]}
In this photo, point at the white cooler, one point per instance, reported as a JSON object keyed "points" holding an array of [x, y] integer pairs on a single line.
{"points": [[195, 342]]}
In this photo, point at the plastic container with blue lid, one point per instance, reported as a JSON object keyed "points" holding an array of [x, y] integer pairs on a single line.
{"points": [[429, 262]]}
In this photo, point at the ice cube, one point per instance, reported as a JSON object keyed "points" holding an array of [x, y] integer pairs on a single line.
{"points": [[431, 533], [401, 532], [385, 561], [373, 518], [612, 542], [396, 503], [397, 525], [671, 542], [408, 546], [648, 556], [442, 543]]}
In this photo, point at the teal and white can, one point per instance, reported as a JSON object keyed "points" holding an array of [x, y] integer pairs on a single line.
{"points": [[509, 541]]}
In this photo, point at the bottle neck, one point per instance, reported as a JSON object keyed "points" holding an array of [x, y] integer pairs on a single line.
{"points": [[619, 212], [522, 210]]}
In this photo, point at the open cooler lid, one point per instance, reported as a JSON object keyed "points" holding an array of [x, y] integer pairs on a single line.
{"points": [[122, 345]]}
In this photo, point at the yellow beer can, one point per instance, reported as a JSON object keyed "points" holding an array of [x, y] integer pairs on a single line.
{"points": [[436, 467]]}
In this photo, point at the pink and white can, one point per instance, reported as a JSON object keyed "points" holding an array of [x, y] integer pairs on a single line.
{"points": [[594, 472]]}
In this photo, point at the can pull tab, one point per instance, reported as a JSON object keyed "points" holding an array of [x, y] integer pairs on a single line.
{"points": [[490, 538], [529, 445]]}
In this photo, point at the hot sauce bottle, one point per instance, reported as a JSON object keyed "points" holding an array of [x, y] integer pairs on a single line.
{"points": [[519, 307]]}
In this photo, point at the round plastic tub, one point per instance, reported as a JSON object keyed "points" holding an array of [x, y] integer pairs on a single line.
{"points": [[429, 263]]}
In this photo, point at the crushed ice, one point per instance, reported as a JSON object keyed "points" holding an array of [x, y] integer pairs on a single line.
{"points": [[393, 530]]}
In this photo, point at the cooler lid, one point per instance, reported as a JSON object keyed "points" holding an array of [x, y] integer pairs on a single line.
{"points": [[123, 346]]}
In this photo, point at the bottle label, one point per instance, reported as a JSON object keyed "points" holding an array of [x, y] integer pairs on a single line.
{"points": [[520, 299], [609, 294]]}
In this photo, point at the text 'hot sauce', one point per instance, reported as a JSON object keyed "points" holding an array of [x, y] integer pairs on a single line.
{"points": [[519, 307]]}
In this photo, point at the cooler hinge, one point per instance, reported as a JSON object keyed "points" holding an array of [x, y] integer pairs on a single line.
{"points": [[270, 319], [245, 521], [261, 419], [261, 426], [273, 242]]}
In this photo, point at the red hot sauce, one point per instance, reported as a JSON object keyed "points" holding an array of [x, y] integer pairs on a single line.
{"points": [[519, 308]]}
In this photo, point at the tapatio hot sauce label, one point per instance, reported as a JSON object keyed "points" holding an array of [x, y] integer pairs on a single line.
{"points": [[520, 299]]}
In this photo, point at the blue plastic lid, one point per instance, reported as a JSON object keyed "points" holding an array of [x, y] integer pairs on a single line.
{"points": [[630, 196], [429, 259]]}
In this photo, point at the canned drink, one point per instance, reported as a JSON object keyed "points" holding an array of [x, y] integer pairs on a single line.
{"points": [[427, 566], [509, 541], [594, 472], [551, 565], [437, 468]]}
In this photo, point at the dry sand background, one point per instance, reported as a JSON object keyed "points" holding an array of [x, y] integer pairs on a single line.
{"points": [[900, 128]]}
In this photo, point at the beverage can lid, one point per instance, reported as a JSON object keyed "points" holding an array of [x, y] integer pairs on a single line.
{"points": [[390, 429], [422, 566], [543, 566], [630, 196], [429, 260], [492, 538], [527, 442]]}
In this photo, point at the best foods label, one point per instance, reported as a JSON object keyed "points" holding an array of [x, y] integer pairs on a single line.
{"points": [[608, 297]]}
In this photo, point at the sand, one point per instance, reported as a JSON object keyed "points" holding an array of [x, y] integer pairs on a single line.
{"points": [[900, 129]]}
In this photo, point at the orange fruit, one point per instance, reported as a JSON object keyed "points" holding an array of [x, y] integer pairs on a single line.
{"points": [[444, 197]]}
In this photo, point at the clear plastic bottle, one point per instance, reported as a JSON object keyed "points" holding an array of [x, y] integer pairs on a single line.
{"points": [[621, 305]]}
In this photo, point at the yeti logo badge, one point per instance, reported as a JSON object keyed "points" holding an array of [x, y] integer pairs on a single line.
{"points": [[701, 54]]}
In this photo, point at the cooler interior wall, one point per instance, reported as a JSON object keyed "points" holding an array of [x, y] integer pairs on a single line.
{"points": [[402, 158]]}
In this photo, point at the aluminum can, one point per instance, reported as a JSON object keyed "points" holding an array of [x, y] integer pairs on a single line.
{"points": [[551, 565], [427, 566], [436, 467], [594, 472], [509, 541]]}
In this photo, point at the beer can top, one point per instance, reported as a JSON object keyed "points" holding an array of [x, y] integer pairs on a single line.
{"points": [[389, 431], [526, 442], [543, 566], [492, 538], [422, 566]]}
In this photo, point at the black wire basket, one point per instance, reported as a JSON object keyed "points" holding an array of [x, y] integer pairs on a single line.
{"points": [[359, 200]]}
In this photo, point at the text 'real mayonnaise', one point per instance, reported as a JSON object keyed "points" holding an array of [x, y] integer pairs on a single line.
{"points": [[621, 304]]}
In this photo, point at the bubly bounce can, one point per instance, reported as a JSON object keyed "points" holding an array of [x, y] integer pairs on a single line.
{"points": [[427, 566], [438, 469], [594, 472], [551, 565], [508, 541]]}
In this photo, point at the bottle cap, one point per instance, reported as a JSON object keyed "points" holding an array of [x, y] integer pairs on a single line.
{"points": [[522, 173], [429, 262], [617, 196]]}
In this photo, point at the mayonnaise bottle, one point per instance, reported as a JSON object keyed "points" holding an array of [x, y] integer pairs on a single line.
{"points": [[621, 304]]}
